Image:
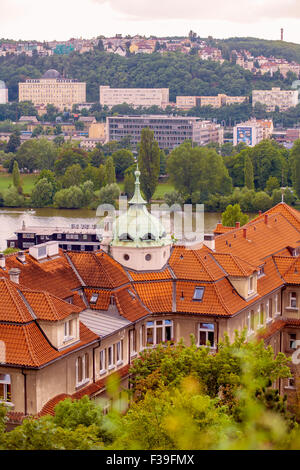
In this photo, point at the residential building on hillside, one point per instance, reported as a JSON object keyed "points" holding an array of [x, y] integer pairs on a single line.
{"points": [[188, 102], [70, 319], [169, 131], [135, 97], [3, 93], [250, 132], [284, 99], [54, 89]]}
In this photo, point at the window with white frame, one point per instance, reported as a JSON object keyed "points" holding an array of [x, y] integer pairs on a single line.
{"points": [[207, 334], [293, 300], [102, 362], [198, 293], [119, 352], [68, 330], [142, 336], [94, 298], [261, 315], [267, 312], [82, 369], [250, 285], [292, 341], [291, 382], [110, 357], [5, 388], [158, 331], [132, 342], [251, 321], [276, 304]]}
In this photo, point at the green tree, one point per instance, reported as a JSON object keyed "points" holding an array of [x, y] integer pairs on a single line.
{"points": [[42, 193], [13, 143], [69, 198], [232, 215], [149, 162], [110, 174], [73, 176], [12, 198], [16, 177], [122, 159], [295, 161], [108, 195], [248, 172], [129, 185], [272, 184]]}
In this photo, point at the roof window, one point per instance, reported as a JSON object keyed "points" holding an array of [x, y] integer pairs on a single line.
{"points": [[94, 298], [198, 293]]}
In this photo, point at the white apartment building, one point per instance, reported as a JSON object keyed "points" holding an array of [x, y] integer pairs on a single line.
{"points": [[250, 132], [54, 89], [135, 97], [284, 99], [3, 93]]}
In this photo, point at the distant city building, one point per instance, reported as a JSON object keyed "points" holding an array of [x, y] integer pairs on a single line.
{"points": [[135, 97], [77, 237], [267, 127], [284, 99], [54, 89], [3, 93], [169, 131], [188, 102], [250, 133]]}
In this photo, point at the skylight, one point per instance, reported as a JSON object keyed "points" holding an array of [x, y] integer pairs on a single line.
{"points": [[94, 298], [198, 293]]}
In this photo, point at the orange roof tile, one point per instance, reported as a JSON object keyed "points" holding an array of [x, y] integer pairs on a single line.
{"points": [[157, 296], [195, 265], [54, 275], [291, 214], [103, 298], [129, 304], [261, 239], [289, 268], [98, 269], [12, 307], [150, 276], [233, 265], [48, 307], [220, 229]]}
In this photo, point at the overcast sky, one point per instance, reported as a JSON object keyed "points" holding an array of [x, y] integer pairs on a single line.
{"points": [[63, 19]]}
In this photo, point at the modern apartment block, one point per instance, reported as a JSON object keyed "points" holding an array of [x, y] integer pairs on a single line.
{"points": [[250, 132], [3, 93], [284, 99], [54, 89], [169, 131], [135, 97], [188, 102]]}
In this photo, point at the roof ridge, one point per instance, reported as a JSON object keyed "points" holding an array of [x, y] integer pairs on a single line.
{"points": [[101, 265], [30, 347], [220, 298], [202, 264]]}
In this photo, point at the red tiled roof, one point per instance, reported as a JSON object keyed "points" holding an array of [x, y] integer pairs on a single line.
{"points": [[289, 268], [12, 307], [91, 389], [220, 229], [150, 276], [48, 307], [103, 298], [157, 296], [233, 265], [54, 275], [262, 239], [98, 269], [129, 305], [195, 265]]}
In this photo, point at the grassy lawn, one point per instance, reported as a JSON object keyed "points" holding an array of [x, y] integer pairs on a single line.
{"points": [[162, 189], [27, 180]]}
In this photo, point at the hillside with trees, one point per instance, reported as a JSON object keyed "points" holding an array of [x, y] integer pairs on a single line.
{"points": [[184, 74]]}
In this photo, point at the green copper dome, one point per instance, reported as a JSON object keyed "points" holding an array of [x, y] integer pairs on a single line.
{"points": [[137, 227]]}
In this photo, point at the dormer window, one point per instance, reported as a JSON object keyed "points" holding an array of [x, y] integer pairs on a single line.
{"points": [[148, 236], [125, 237], [94, 298], [198, 294], [295, 252]]}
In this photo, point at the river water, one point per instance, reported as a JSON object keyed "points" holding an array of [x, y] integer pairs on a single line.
{"points": [[12, 220]]}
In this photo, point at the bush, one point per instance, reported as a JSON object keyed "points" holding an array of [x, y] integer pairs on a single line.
{"points": [[13, 199]]}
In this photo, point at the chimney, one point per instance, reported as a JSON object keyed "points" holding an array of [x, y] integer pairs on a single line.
{"points": [[2, 261], [21, 257], [259, 212], [237, 225], [244, 232], [14, 275], [266, 219]]}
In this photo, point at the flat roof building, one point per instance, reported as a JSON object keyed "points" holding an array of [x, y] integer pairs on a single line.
{"points": [[54, 89], [188, 102], [284, 99], [250, 133], [3, 93], [169, 131], [135, 97]]}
